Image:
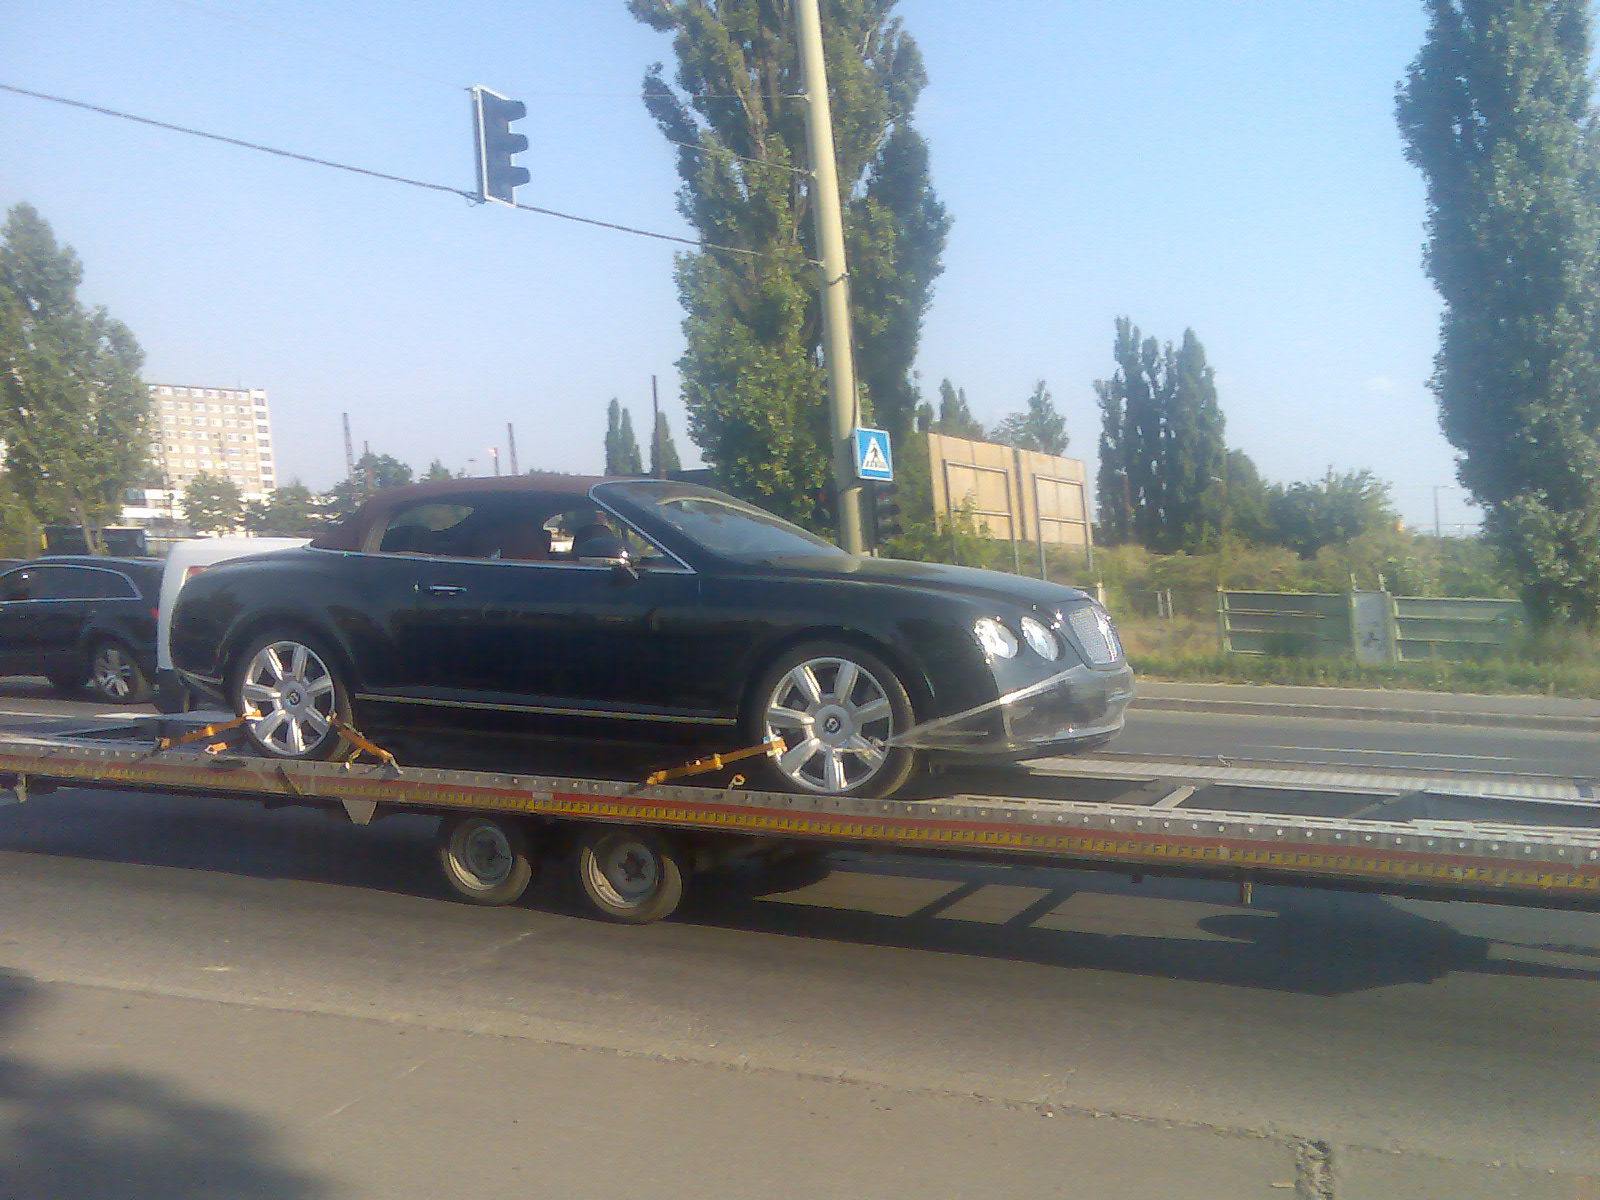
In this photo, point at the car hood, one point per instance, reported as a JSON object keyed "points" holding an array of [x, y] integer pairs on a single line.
{"points": [[938, 577]]}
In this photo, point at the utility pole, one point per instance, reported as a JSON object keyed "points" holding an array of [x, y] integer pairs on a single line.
{"points": [[836, 348], [655, 431], [511, 444]]}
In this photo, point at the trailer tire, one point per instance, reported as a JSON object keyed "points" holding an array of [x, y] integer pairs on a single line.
{"points": [[632, 876], [485, 860]]}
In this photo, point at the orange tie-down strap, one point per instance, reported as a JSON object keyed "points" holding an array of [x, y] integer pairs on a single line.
{"points": [[716, 762], [349, 733]]}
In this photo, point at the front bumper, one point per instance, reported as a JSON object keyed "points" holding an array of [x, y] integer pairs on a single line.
{"points": [[1076, 709]]}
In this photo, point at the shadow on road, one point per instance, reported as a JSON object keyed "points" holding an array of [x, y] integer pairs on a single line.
{"points": [[116, 1135], [1292, 940]]}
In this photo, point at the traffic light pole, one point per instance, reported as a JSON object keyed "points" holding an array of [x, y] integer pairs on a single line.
{"points": [[836, 347]]}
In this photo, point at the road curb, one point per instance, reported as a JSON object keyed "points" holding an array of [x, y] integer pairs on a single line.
{"points": [[1338, 712]]}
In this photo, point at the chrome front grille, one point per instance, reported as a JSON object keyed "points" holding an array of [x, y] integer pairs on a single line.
{"points": [[1095, 635]]}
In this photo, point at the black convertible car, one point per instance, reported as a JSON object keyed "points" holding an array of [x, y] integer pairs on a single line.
{"points": [[647, 610]]}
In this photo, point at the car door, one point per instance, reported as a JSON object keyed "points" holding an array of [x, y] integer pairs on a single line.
{"points": [[65, 601], [562, 636], [18, 612]]}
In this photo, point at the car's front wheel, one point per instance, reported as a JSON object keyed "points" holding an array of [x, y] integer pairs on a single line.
{"points": [[289, 689], [838, 709]]}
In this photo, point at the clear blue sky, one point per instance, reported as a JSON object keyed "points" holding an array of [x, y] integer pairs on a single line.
{"points": [[1231, 167]]}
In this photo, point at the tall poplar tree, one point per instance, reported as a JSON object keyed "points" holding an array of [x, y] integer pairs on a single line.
{"points": [[622, 448], [1161, 442], [752, 372], [1497, 113], [73, 410]]}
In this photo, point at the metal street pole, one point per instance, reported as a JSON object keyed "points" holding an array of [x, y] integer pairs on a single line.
{"points": [[836, 348]]}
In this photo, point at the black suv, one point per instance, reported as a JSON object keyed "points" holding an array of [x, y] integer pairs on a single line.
{"points": [[82, 620]]}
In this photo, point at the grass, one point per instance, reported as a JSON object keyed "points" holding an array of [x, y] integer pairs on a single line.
{"points": [[1185, 649]]}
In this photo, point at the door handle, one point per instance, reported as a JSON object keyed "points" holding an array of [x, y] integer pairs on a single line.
{"points": [[446, 589]]}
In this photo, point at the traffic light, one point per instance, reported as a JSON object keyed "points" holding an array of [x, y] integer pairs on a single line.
{"points": [[885, 512], [492, 114]]}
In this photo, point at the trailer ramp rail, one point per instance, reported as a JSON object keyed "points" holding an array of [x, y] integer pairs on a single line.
{"points": [[1510, 839]]}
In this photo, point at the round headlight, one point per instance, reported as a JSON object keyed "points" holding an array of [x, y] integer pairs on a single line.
{"points": [[997, 641], [1040, 640]]}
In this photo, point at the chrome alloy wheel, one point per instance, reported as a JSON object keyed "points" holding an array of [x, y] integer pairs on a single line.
{"points": [[835, 719], [112, 673], [292, 690]]}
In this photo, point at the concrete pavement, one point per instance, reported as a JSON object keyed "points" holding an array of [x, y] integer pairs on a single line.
{"points": [[1554, 713], [114, 1095]]}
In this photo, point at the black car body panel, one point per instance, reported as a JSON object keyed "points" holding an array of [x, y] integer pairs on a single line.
{"points": [[55, 610], [668, 644]]}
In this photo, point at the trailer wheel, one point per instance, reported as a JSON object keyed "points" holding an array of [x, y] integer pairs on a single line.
{"points": [[485, 860], [634, 876]]}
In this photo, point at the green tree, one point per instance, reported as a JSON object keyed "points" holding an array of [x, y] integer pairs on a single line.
{"points": [[212, 503], [663, 451], [372, 473], [622, 448], [752, 377], [1038, 427], [289, 511], [1335, 509], [955, 418], [1162, 451], [436, 470], [73, 411], [1496, 111]]}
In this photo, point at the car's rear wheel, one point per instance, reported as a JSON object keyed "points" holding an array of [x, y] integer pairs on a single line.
{"points": [[838, 709], [293, 688], [115, 675]]}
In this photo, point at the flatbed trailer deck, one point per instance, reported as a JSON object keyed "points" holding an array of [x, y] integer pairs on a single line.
{"points": [[1526, 840]]}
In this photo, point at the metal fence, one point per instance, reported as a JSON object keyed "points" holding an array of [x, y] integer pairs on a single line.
{"points": [[1290, 624], [1374, 626], [1436, 627]]}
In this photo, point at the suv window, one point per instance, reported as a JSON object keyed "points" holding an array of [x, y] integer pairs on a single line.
{"points": [[17, 585]]}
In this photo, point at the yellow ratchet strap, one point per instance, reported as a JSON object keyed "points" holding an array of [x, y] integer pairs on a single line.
{"points": [[354, 736], [716, 762]]}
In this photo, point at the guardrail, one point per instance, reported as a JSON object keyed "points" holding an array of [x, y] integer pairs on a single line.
{"points": [[1290, 624]]}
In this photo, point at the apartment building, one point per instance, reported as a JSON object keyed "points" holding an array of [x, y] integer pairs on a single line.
{"points": [[222, 431]]}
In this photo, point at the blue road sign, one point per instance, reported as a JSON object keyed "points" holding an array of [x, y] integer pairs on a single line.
{"points": [[873, 460]]}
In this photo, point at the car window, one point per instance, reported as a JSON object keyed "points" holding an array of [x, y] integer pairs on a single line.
{"points": [[17, 585], [111, 585], [74, 583], [432, 527]]}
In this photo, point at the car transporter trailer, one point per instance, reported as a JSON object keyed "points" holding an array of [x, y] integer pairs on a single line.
{"points": [[1524, 840]]}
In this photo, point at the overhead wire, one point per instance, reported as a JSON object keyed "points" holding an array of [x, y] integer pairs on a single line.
{"points": [[384, 175]]}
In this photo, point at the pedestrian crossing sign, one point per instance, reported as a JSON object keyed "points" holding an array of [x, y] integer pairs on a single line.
{"points": [[873, 459]]}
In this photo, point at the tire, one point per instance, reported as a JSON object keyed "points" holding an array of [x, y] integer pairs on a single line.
{"points": [[837, 743], [296, 688], [115, 675], [68, 681], [632, 876], [485, 860]]}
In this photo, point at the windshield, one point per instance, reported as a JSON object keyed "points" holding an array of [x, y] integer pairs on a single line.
{"points": [[722, 525]]}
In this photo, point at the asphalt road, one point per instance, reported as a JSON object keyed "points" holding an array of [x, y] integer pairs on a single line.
{"points": [[1463, 1032]]}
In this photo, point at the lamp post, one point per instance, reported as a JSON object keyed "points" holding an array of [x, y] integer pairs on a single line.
{"points": [[1438, 529]]}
